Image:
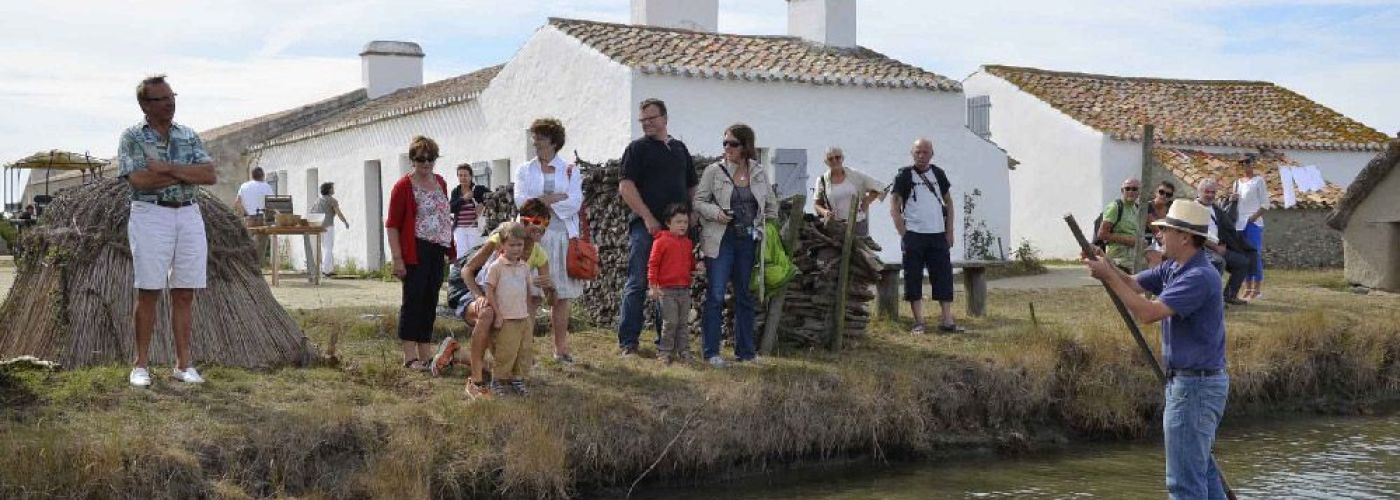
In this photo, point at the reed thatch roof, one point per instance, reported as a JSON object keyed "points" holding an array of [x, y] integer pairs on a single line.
{"points": [[72, 299], [1365, 183]]}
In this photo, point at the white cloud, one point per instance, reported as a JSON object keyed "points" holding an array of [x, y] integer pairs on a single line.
{"points": [[66, 80]]}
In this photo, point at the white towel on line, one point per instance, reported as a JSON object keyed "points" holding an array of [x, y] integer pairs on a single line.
{"points": [[1285, 174], [1314, 176]]}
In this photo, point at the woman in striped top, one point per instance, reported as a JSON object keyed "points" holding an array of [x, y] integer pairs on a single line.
{"points": [[466, 210]]}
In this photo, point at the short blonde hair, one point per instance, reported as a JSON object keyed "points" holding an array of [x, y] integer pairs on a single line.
{"points": [[510, 230]]}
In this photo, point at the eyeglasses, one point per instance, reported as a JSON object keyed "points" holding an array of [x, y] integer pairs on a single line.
{"points": [[732, 144], [1166, 193], [533, 221], [1130, 188], [424, 159], [170, 97]]}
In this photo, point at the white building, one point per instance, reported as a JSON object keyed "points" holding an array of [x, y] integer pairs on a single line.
{"points": [[801, 93], [1077, 136]]}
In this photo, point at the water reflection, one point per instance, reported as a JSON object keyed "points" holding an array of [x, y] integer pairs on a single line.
{"points": [[1307, 458]]}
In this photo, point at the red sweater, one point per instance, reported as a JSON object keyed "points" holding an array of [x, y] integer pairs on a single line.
{"points": [[672, 260], [403, 215]]}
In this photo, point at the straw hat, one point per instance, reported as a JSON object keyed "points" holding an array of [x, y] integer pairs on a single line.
{"points": [[1188, 216]]}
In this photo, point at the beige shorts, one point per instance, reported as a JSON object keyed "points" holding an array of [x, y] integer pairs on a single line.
{"points": [[168, 246]]}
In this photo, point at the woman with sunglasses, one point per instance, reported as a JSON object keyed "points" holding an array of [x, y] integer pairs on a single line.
{"points": [[558, 184], [839, 185], [419, 228], [734, 199], [534, 215], [1156, 210]]}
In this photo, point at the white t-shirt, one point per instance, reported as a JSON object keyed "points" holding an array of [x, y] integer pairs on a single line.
{"points": [[1254, 195], [252, 193], [923, 213]]}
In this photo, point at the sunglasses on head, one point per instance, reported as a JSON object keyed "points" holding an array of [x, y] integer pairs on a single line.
{"points": [[732, 144], [424, 159], [532, 221]]}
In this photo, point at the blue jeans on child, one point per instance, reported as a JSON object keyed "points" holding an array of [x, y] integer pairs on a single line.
{"points": [[733, 265], [1193, 411]]}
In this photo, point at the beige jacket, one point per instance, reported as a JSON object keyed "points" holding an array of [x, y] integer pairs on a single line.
{"points": [[712, 199]]}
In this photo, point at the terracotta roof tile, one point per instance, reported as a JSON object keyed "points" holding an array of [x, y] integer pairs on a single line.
{"points": [[1195, 112], [1192, 166], [654, 50], [424, 97]]}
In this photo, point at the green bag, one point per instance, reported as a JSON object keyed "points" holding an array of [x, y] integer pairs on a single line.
{"points": [[777, 267]]}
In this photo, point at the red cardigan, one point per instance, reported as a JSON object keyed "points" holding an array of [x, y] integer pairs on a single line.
{"points": [[403, 215], [672, 260]]}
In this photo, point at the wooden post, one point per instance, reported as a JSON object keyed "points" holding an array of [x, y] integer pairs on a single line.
{"points": [[1143, 198], [887, 292], [975, 282], [843, 280], [775, 307]]}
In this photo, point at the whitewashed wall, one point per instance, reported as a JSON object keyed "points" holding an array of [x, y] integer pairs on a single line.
{"points": [[1060, 170], [550, 76], [1338, 167], [875, 126]]}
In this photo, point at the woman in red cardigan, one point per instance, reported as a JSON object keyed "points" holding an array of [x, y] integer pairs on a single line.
{"points": [[420, 239]]}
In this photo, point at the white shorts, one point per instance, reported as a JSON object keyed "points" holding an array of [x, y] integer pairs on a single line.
{"points": [[466, 239], [168, 246]]}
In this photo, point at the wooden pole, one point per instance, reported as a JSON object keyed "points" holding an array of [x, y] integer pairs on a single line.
{"points": [[843, 280], [775, 307], [1143, 198]]}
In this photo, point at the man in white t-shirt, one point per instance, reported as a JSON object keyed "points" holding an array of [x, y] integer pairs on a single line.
{"points": [[921, 209], [252, 193]]}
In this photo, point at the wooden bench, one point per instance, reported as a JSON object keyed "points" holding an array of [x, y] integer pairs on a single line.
{"points": [[974, 285]]}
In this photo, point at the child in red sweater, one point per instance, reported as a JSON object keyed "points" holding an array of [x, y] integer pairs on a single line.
{"points": [[668, 272]]}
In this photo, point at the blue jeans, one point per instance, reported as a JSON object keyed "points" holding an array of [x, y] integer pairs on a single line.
{"points": [[634, 292], [1193, 411], [733, 265]]}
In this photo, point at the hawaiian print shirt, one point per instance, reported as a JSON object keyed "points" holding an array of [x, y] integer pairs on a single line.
{"points": [[141, 142]]}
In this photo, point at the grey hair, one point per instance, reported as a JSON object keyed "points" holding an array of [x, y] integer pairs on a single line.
{"points": [[146, 83]]}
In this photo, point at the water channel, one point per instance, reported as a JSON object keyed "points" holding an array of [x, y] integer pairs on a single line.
{"points": [[1328, 457]]}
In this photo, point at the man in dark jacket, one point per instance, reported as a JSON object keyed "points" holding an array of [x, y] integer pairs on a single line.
{"points": [[1228, 248]]}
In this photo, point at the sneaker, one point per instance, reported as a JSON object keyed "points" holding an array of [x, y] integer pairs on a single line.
{"points": [[564, 359], [628, 352], [496, 388], [518, 386], [753, 361], [918, 329], [140, 377], [188, 376], [477, 391], [446, 352], [951, 328], [716, 361]]}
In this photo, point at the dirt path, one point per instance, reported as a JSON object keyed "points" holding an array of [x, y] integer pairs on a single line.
{"points": [[1058, 277]]}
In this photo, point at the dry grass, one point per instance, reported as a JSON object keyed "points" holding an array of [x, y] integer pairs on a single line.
{"points": [[367, 428]]}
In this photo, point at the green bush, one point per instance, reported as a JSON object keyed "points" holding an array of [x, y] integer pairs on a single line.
{"points": [[9, 233]]}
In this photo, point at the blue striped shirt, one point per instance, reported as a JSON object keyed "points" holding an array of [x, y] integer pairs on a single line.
{"points": [[141, 142]]}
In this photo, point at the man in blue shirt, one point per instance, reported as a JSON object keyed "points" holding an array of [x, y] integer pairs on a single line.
{"points": [[1191, 308], [164, 162]]}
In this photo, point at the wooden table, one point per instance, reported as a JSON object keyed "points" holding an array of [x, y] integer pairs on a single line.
{"points": [[312, 252], [974, 284]]}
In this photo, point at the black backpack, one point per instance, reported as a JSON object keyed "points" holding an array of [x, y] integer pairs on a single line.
{"points": [[1098, 222]]}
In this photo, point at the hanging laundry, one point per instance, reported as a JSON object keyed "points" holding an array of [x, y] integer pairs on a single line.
{"points": [[1285, 174], [1314, 177]]}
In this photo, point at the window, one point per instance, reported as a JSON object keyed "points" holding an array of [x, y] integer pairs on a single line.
{"points": [[790, 172], [979, 116]]}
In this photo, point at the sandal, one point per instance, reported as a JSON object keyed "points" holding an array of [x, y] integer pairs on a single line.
{"points": [[951, 328], [918, 329], [415, 365]]}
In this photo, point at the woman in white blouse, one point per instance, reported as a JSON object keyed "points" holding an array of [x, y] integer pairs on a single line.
{"points": [[559, 185], [1253, 197], [839, 185]]}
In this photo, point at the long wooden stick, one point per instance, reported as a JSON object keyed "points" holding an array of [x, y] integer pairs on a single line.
{"points": [[1137, 335], [843, 279]]}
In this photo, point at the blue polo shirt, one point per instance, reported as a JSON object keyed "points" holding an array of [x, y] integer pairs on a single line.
{"points": [[1193, 338]]}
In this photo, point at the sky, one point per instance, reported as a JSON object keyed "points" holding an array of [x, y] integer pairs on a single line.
{"points": [[67, 80]]}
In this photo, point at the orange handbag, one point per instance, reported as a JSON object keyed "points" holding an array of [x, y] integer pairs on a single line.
{"points": [[583, 254]]}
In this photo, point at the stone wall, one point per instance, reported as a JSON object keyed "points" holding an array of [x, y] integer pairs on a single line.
{"points": [[1300, 238]]}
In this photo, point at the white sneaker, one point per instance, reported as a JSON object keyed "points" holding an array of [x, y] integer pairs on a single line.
{"points": [[716, 361], [140, 377], [188, 376]]}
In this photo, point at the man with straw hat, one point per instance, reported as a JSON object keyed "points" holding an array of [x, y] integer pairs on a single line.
{"points": [[1191, 308]]}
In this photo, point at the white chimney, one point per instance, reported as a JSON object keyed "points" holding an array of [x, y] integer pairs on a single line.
{"points": [[386, 66], [694, 15], [828, 22]]}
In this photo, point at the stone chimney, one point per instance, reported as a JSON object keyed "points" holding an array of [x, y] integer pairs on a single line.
{"points": [[828, 22], [694, 15], [386, 66]]}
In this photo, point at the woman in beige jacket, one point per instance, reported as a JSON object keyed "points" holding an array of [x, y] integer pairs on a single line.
{"points": [[734, 199]]}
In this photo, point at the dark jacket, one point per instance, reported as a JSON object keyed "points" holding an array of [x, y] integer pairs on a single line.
{"points": [[1225, 216], [455, 199]]}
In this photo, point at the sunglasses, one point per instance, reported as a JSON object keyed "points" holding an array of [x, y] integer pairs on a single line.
{"points": [[1130, 188], [424, 159], [1166, 193], [533, 221], [835, 157], [732, 144]]}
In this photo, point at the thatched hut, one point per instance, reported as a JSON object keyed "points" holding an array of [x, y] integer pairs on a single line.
{"points": [[1369, 219], [72, 299]]}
